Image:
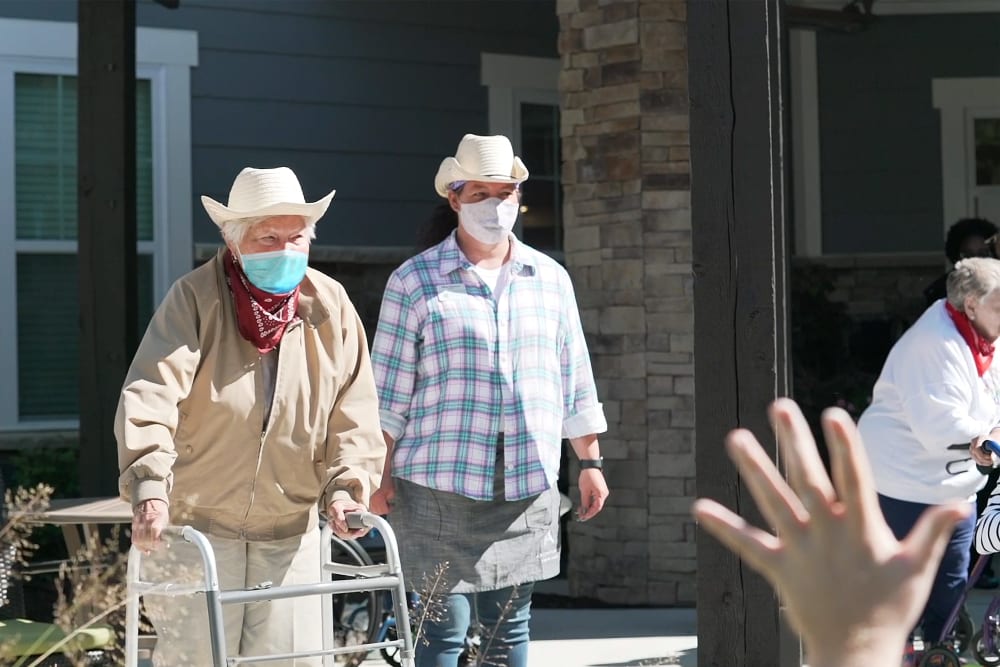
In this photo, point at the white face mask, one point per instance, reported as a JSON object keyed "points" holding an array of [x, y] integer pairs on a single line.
{"points": [[489, 221]]}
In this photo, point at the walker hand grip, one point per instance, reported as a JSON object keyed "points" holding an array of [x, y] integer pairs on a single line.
{"points": [[356, 520], [991, 446]]}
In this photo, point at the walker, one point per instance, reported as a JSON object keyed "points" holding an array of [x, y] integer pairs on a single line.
{"points": [[379, 577], [959, 631]]}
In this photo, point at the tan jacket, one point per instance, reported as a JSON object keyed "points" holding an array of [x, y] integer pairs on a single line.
{"points": [[190, 421]]}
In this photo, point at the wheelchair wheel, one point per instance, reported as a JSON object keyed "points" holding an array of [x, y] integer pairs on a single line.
{"points": [[356, 615], [391, 655], [940, 656], [979, 650], [961, 636]]}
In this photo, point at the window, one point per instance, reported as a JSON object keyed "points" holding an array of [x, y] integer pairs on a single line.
{"points": [[524, 105], [986, 139], [541, 201], [970, 146], [38, 205], [45, 223]]}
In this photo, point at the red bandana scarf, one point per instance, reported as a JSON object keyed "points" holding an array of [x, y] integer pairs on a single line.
{"points": [[982, 349], [261, 316]]}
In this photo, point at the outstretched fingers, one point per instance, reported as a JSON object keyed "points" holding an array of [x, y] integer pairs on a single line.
{"points": [[757, 547], [852, 474], [927, 541], [778, 504], [806, 473]]}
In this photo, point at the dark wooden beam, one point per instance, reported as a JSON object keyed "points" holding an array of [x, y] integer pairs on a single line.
{"points": [[736, 75], [107, 229]]}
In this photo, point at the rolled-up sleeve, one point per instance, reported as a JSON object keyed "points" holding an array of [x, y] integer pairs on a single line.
{"points": [[584, 414], [355, 450], [160, 377], [394, 356]]}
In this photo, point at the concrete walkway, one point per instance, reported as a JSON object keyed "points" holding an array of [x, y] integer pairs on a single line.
{"points": [[629, 637], [608, 638]]}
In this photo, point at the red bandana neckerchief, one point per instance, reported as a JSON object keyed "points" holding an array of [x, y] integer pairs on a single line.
{"points": [[982, 349], [261, 316]]}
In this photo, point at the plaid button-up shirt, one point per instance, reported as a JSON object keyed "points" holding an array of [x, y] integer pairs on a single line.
{"points": [[455, 366]]}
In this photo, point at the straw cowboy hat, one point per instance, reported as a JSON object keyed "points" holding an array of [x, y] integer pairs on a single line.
{"points": [[260, 193], [485, 159]]}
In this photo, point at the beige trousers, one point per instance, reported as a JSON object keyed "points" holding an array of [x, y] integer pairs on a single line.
{"points": [[258, 628]]}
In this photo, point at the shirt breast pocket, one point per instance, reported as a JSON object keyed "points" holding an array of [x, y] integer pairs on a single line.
{"points": [[460, 333]]}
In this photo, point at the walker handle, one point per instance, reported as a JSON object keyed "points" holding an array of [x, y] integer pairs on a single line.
{"points": [[991, 446], [356, 520]]}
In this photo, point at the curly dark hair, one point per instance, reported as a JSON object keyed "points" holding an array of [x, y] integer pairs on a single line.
{"points": [[962, 230]]}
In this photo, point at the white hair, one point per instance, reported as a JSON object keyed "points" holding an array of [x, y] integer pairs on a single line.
{"points": [[972, 277], [235, 230]]}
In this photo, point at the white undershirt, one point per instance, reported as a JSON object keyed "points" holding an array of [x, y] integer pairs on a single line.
{"points": [[495, 279]]}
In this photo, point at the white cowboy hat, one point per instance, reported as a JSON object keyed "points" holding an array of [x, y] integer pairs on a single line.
{"points": [[485, 159], [260, 193]]}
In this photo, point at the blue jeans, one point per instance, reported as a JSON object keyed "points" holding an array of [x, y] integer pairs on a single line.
{"points": [[502, 617], [949, 583]]}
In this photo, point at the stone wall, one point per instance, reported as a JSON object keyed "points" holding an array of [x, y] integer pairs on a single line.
{"points": [[879, 286], [626, 177]]}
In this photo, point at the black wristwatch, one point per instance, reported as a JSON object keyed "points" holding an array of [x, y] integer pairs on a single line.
{"points": [[592, 463]]}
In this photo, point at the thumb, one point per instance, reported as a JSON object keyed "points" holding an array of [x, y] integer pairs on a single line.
{"points": [[933, 530]]}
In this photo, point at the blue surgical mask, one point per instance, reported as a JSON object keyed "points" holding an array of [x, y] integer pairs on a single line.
{"points": [[277, 272]]}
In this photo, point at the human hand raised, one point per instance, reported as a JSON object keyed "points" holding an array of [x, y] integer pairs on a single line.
{"points": [[853, 591]]}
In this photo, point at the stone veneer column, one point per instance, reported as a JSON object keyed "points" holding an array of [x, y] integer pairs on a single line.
{"points": [[626, 178]]}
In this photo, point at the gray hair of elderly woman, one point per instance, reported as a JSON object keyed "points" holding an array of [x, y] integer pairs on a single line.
{"points": [[973, 277], [234, 231]]}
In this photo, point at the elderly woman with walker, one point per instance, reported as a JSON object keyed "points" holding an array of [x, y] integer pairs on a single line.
{"points": [[936, 399], [250, 405]]}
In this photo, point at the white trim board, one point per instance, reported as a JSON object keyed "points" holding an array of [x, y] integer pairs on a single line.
{"points": [[507, 71], [807, 196], [898, 7], [954, 98]]}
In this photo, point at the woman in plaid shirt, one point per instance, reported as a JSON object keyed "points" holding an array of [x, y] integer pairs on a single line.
{"points": [[482, 370]]}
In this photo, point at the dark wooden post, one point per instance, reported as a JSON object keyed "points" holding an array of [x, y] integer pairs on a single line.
{"points": [[107, 233], [735, 71]]}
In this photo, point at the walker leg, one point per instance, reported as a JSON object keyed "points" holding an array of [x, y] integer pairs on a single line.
{"points": [[216, 628], [406, 653], [132, 610]]}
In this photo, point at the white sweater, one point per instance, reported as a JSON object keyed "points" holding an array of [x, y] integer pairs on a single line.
{"points": [[927, 398]]}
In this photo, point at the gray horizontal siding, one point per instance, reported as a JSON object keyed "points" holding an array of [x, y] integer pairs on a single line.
{"points": [[362, 96], [880, 137], [365, 97]]}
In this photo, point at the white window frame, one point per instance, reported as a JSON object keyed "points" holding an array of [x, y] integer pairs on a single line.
{"points": [[513, 80], [807, 198], [165, 57], [958, 99]]}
